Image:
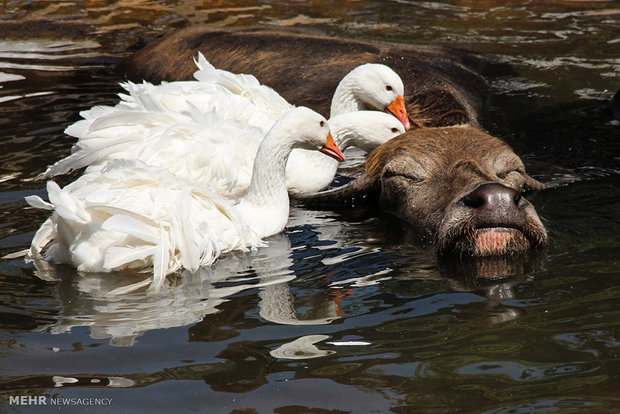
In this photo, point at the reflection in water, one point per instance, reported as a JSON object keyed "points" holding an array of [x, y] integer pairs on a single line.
{"points": [[278, 305], [86, 299], [472, 272], [424, 334], [39, 54], [302, 348]]}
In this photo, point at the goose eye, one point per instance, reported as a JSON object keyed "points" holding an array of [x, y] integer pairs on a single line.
{"points": [[388, 88], [394, 130], [322, 123]]}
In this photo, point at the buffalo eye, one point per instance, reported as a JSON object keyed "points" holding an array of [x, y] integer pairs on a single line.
{"points": [[388, 173], [504, 174]]}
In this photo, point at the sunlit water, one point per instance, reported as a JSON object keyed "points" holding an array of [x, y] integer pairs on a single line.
{"points": [[336, 314]]}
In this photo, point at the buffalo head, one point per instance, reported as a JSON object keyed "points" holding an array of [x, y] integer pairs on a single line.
{"points": [[457, 188]]}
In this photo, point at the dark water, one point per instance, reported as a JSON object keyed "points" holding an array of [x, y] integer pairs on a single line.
{"points": [[332, 316]]}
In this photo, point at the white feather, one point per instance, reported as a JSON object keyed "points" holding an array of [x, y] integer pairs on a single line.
{"points": [[161, 263], [118, 257], [124, 223], [38, 202]]}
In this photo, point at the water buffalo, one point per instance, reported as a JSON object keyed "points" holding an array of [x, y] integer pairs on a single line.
{"points": [[442, 85], [457, 188]]}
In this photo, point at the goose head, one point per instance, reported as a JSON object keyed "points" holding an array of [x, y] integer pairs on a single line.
{"points": [[309, 130], [265, 206], [371, 86], [365, 130]]}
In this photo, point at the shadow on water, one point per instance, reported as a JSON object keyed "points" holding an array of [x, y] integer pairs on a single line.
{"points": [[337, 314]]}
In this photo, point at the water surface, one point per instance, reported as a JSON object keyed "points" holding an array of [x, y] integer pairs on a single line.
{"points": [[335, 315]]}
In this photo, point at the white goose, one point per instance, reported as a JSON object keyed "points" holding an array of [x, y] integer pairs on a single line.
{"points": [[371, 86], [130, 215], [167, 125]]}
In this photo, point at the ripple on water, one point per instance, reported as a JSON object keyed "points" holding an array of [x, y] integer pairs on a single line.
{"points": [[419, 338]]}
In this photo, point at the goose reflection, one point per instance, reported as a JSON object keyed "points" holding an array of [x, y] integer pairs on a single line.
{"points": [[188, 298]]}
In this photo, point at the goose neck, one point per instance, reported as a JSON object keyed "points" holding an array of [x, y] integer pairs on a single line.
{"points": [[345, 98], [344, 136], [268, 184]]}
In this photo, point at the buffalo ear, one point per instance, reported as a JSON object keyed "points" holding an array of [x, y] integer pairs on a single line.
{"points": [[362, 191], [532, 184]]}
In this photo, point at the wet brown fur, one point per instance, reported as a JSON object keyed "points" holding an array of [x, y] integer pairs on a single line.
{"points": [[442, 85]]}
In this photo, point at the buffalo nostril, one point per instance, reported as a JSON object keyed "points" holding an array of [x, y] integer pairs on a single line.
{"points": [[473, 200], [492, 195]]}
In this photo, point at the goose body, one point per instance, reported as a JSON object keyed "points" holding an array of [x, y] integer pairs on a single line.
{"points": [[172, 125], [129, 215]]}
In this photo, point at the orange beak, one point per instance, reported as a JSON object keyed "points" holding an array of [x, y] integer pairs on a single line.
{"points": [[397, 108], [330, 148]]}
